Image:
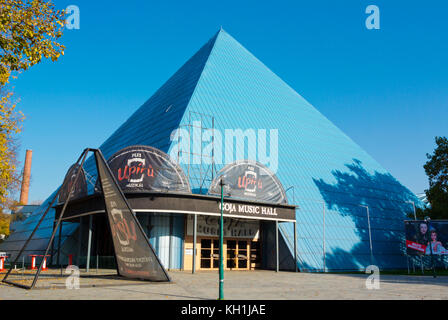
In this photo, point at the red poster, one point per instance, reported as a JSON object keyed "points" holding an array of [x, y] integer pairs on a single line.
{"points": [[416, 246]]}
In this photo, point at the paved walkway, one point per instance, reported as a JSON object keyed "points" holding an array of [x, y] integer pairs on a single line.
{"points": [[239, 285]]}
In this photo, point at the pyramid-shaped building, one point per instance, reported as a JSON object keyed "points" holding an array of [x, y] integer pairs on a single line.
{"points": [[350, 210]]}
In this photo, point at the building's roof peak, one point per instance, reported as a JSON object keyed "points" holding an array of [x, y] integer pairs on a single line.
{"points": [[221, 30]]}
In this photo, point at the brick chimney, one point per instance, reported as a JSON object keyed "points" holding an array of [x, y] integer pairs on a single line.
{"points": [[26, 178]]}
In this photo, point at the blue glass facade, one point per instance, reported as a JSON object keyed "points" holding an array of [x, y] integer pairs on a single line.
{"points": [[325, 172], [23, 230]]}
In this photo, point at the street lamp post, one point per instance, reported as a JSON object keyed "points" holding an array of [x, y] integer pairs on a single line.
{"points": [[221, 246], [370, 234], [413, 205], [323, 240]]}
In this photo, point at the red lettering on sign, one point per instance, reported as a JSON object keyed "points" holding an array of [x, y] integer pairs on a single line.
{"points": [[244, 182], [123, 228], [127, 172]]}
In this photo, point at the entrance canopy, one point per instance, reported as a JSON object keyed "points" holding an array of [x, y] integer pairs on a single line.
{"points": [[153, 182], [186, 204]]}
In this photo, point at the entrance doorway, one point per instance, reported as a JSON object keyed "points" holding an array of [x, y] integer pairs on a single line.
{"points": [[238, 254], [237, 257], [209, 254]]}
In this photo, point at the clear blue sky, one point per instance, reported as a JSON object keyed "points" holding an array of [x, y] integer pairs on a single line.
{"points": [[387, 89]]}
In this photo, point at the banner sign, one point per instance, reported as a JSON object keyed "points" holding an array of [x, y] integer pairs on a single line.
{"points": [[144, 168], [423, 237], [189, 204], [135, 256], [208, 226], [80, 189], [248, 179]]}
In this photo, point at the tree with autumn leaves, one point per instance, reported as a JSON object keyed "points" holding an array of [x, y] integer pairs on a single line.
{"points": [[29, 33]]}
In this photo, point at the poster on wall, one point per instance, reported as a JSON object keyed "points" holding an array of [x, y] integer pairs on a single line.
{"points": [[423, 237], [250, 180], [144, 168], [208, 226], [135, 256], [80, 188]]}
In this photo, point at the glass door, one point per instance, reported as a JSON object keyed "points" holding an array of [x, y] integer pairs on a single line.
{"points": [[215, 254], [242, 255], [206, 253], [255, 255], [209, 254], [237, 255], [231, 254]]}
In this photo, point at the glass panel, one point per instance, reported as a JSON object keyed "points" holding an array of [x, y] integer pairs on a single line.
{"points": [[206, 243], [205, 253], [255, 252], [231, 254], [231, 244], [254, 245], [242, 254], [242, 263], [242, 245], [215, 254], [216, 249], [230, 263], [205, 263]]}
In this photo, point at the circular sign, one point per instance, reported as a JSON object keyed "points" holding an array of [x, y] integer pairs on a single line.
{"points": [[144, 168], [249, 180]]}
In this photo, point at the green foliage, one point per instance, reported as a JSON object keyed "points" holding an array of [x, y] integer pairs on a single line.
{"points": [[419, 212], [10, 126], [437, 171], [4, 223], [28, 32]]}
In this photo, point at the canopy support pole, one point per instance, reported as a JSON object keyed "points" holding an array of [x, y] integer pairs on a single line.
{"points": [[295, 246], [78, 256], [59, 243], [89, 244], [195, 226], [276, 247]]}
